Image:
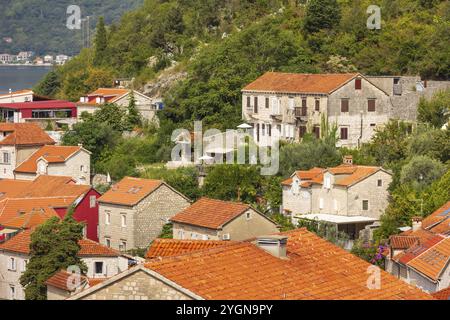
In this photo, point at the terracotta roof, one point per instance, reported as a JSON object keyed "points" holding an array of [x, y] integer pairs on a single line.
{"points": [[299, 83], [130, 191], [11, 188], [402, 242], [210, 213], [442, 295], [21, 243], [172, 247], [60, 280], [438, 221], [53, 186], [52, 154], [315, 269], [433, 261], [14, 93], [28, 214], [95, 249], [24, 134], [305, 176], [109, 92], [417, 249]]}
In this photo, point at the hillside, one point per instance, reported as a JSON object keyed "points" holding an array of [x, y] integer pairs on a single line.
{"points": [[222, 45], [40, 25]]}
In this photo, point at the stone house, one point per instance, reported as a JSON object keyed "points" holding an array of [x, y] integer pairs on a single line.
{"points": [[287, 106], [102, 262], [68, 161], [349, 196], [93, 101], [210, 219], [260, 270], [134, 211], [18, 141], [17, 96]]}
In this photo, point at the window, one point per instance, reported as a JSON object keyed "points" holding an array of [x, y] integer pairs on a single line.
{"points": [[365, 205], [302, 131], [358, 84], [12, 264], [257, 132], [269, 130], [317, 105], [344, 105], [317, 132], [181, 234], [84, 231], [205, 237], [98, 266], [380, 183], [256, 105], [107, 218], [304, 103], [248, 215], [267, 103], [123, 245], [321, 203], [291, 103], [327, 182], [123, 219], [108, 242], [24, 265], [249, 103], [12, 292], [344, 133], [81, 168], [92, 202], [6, 158], [263, 129], [371, 105]]}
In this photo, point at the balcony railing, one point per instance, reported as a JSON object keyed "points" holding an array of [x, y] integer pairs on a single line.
{"points": [[301, 112]]}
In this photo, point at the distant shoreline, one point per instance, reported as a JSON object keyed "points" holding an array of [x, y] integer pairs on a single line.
{"points": [[25, 65]]}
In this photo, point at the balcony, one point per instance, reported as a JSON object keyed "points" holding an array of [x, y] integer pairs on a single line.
{"points": [[301, 112]]}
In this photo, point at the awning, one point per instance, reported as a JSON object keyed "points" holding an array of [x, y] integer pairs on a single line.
{"points": [[7, 231], [332, 218]]}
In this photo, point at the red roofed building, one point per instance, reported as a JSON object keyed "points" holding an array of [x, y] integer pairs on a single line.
{"points": [[210, 219], [296, 265], [102, 263], [349, 196], [38, 111], [17, 142], [287, 106]]}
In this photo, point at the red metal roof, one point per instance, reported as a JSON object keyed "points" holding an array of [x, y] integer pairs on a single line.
{"points": [[50, 104]]}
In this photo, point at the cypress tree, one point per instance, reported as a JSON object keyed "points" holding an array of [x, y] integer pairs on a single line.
{"points": [[100, 43], [322, 14]]}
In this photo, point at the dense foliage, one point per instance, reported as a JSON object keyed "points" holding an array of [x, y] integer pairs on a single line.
{"points": [[54, 246]]}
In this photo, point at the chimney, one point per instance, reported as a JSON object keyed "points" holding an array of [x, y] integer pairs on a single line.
{"points": [[416, 223], [275, 245], [348, 160]]}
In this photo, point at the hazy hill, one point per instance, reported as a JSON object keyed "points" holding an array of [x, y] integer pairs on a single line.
{"points": [[40, 25]]}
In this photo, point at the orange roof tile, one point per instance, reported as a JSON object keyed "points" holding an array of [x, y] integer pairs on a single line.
{"points": [[172, 247], [130, 191], [95, 249], [299, 83], [18, 92], [433, 261], [53, 186], [417, 249], [305, 176], [442, 295], [27, 218], [21, 243], [315, 269], [210, 213], [52, 154], [60, 280], [402, 242], [24, 134], [109, 92], [11, 188], [438, 221]]}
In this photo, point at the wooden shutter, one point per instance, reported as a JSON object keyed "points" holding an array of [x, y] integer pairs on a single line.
{"points": [[371, 105], [344, 105], [358, 84], [317, 105], [267, 103], [344, 133], [256, 104]]}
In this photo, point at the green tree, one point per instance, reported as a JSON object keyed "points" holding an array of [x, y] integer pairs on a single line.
{"points": [[133, 115], [322, 14], [437, 110], [49, 85], [100, 43], [421, 171], [54, 246]]}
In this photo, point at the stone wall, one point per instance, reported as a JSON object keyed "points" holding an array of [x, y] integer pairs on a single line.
{"points": [[137, 286], [10, 278]]}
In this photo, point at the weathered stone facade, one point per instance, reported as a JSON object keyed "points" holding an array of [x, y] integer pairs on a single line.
{"points": [[144, 221], [248, 225], [137, 286]]}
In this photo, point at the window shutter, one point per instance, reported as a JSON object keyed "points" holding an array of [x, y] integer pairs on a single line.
{"points": [[371, 105], [358, 84], [344, 105]]}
